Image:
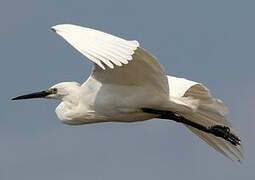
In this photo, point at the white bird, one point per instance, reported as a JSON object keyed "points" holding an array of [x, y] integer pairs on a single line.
{"points": [[128, 84]]}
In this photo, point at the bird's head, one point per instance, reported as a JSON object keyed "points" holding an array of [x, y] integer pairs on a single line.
{"points": [[58, 91]]}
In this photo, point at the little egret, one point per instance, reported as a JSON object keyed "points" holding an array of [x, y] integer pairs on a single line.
{"points": [[127, 84]]}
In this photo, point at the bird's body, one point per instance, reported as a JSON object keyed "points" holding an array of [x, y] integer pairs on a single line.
{"points": [[113, 103], [127, 84]]}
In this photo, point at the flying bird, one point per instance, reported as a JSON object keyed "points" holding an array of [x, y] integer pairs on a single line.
{"points": [[127, 84]]}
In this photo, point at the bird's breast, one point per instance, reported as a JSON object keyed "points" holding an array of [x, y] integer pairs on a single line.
{"points": [[77, 114]]}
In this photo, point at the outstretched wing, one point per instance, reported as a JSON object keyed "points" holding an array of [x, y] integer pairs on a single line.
{"points": [[117, 61]]}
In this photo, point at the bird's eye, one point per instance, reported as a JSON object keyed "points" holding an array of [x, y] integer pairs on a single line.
{"points": [[54, 90]]}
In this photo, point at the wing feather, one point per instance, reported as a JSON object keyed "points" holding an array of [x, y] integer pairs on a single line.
{"points": [[117, 61], [103, 49]]}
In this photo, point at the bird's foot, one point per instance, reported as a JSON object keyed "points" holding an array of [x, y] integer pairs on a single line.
{"points": [[225, 133]]}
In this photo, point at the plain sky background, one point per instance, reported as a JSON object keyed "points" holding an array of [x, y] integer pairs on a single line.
{"points": [[207, 41]]}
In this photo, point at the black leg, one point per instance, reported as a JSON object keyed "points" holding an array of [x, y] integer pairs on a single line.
{"points": [[217, 130]]}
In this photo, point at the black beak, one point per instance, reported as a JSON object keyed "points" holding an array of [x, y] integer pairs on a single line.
{"points": [[41, 94]]}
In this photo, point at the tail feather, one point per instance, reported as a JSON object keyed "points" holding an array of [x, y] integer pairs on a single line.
{"points": [[213, 111], [209, 112], [220, 145]]}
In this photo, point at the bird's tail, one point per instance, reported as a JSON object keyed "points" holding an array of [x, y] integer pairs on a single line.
{"points": [[207, 111], [210, 117]]}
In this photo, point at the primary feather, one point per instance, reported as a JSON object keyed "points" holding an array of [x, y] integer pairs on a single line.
{"points": [[101, 48]]}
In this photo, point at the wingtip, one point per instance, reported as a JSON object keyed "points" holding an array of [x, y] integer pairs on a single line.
{"points": [[53, 29], [63, 26], [57, 27]]}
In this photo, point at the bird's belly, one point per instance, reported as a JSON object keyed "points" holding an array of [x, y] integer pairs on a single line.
{"points": [[130, 116], [83, 115], [93, 118]]}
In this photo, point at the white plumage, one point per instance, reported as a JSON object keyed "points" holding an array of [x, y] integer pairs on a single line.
{"points": [[125, 81], [210, 111], [98, 46]]}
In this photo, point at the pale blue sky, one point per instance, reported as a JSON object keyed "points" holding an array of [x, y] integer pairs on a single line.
{"points": [[207, 41]]}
